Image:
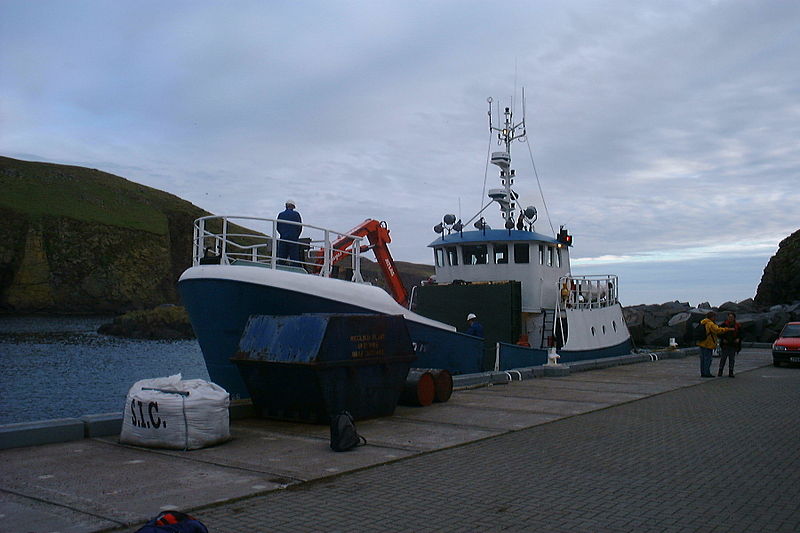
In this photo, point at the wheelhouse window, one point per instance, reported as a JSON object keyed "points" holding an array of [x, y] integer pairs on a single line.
{"points": [[438, 254], [558, 257], [474, 254], [500, 254], [521, 252], [550, 250], [452, 255], [541, 254]]}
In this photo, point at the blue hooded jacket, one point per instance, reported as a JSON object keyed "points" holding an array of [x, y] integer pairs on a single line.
{"points": [[289, 231]]}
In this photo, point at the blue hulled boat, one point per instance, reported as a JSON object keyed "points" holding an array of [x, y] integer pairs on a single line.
{"points": [[517, 280]]}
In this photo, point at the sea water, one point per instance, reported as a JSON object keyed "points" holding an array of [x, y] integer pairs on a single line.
{"points": [[60, 367]]}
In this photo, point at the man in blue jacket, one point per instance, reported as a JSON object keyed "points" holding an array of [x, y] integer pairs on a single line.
{"points": [[288, 247], [475, 328]]}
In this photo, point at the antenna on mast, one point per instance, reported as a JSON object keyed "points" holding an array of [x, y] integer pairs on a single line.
{"points": [[523, 106], [506, 134]]}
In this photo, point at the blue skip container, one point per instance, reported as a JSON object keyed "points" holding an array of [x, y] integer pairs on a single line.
{"points": [[310, 367]]}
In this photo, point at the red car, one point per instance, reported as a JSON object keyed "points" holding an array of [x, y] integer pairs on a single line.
{"points": [[787, 348]]}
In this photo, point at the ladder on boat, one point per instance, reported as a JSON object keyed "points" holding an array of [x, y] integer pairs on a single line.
{"points": [[548, 330]]}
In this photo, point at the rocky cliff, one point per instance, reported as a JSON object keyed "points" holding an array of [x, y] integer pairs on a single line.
{"points": [[77, 240], [780, 282]]}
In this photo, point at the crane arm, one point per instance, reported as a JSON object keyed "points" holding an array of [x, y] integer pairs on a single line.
{"points": [[377, 234]]}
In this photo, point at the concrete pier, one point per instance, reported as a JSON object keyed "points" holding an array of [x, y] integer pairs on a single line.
{"points": [[632, 447]]}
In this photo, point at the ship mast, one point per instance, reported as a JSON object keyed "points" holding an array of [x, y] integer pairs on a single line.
{"points": [[505, 197], [506, 134]]}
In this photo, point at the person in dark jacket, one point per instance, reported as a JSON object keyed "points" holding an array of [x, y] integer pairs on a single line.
{"points": [[288, 247], [475, 328], [730, 343]]}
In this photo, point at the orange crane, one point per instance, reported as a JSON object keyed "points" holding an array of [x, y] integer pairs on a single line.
{"points": [[378, 236]]}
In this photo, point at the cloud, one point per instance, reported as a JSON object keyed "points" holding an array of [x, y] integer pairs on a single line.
{"points": [[729, 250], [668, 126]]}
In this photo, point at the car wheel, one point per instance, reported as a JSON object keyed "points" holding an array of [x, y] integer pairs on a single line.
{"points": [[775, 363]]}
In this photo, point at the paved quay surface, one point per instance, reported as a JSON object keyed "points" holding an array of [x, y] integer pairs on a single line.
{"points": [[642, 447]]}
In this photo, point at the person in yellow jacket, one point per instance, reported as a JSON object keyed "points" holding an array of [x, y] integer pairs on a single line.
{"points": [[708, 344]]}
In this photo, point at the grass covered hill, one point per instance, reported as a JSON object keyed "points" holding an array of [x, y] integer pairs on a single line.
{"points": [[78, 240], [74, 239], [411, 273]]}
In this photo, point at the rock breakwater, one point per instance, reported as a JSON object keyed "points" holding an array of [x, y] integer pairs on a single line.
{"points": [[654, 325], [165, 322]]}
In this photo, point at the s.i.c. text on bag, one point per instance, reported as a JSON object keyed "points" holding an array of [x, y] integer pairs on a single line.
{"points": [[174, 413]]}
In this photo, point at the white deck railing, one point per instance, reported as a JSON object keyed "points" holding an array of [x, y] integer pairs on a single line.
{"points": [[253, 240], [584, 292], [588, 292]]}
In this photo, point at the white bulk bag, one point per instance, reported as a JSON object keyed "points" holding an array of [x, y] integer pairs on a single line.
{"points": [[174, 413]]}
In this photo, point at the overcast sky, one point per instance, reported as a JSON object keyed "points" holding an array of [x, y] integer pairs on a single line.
{"points": [[664, 133]]}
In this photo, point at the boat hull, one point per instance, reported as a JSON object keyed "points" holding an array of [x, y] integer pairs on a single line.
{"points": [[221, 299], [219, 309], [510, 357]]}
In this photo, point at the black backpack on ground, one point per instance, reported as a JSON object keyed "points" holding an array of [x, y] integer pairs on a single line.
{"points": [[343, 433], [699, 332]]}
